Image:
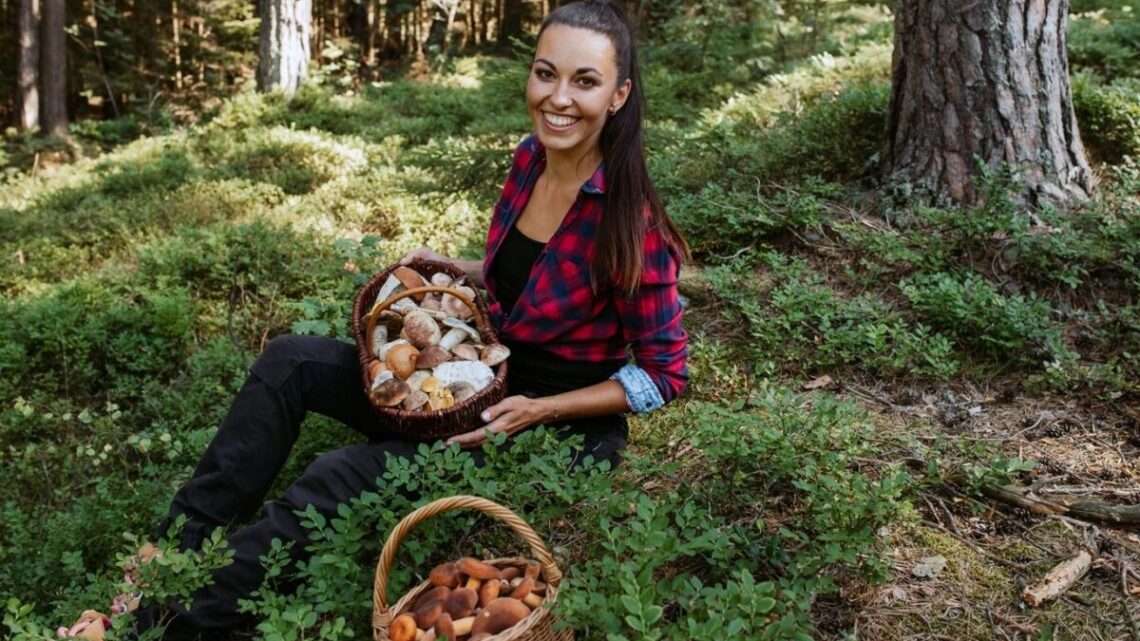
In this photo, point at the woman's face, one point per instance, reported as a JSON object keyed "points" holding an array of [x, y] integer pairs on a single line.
{"points": [[572, 87]]}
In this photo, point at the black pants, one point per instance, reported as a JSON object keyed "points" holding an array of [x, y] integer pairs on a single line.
{"points": [[295, 375]]}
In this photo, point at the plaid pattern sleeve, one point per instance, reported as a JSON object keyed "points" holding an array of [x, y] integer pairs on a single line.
{"points": [[651, 320]]}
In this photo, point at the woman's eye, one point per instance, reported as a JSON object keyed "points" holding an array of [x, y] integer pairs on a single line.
{"points": [[587, 82], [545, 74]]}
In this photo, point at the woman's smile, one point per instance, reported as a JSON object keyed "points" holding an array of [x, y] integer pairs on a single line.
{"points": [[559, 123]]}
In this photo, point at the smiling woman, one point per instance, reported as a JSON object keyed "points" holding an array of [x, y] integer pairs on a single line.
{"points": [[581, 271]]}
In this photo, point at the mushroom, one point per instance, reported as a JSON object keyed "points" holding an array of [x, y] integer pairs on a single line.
{"points": [[416, 380], [463, 626], [411, 279], [488, 592], [445, 628], [431, 356], [456, 307], [390, 392], [476, 568], [465, 352], [532, 600], [379, 337], [420, 329], [431, 303], [390, 286], [401, 359], [523, 589], [403, 628], [473, 583], [440, 399], [473, 372], [445, 575], [404, 305], [415, 400], [438, 593], [383, 353], [461, 603], [441, 279], [378, 373], [494, 354], [430, 384], [427, 614], [458, 331], [461, 391], [499, 615], [510, 572]]}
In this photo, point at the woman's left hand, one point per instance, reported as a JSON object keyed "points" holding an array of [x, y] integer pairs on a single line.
{"points": [[509, 415]]}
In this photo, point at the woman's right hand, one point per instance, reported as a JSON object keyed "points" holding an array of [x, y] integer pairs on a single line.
{"points": [[424, 253]]}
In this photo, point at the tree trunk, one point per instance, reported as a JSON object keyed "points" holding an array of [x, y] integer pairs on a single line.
{"points": [[53, 68], [284, 49], [985, 80], [512, 21], [176, 27], [28, 75]]}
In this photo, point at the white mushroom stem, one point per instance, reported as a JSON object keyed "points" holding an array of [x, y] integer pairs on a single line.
{"points": [[390, 286], [452, 338]]}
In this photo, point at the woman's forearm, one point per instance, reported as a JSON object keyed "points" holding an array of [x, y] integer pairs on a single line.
{"points": [[601, 399], [473, 269]]}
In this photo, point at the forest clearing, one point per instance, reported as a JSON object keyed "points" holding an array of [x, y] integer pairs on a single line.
{"points": [[913, 390]]}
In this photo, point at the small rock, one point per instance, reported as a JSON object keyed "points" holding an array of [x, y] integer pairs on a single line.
{"points": [[929, 567], [823, 382]]}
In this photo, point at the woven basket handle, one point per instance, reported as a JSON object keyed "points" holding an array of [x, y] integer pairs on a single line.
{"points": [[388, 555], [373, 316]]}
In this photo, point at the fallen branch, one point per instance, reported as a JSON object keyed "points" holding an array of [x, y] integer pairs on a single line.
{"points": [[1058, 580]]}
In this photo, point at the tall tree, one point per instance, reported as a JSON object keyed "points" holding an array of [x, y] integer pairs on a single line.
{"points": [[984, 80], [511, 23], [28, 74], [286, 26], [53, 68]]}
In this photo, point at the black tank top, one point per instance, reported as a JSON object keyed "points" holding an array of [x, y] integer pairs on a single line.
{"points": [[533, 370]]}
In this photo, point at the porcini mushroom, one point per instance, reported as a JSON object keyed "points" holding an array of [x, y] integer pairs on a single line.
{"points": [[445, 628], [532, 600], [420, 329], [461, 391], [431, 356], [510, 572], [415, 400], [494, 354], [379, 337], [401, 359], [390, 392], [523, 589], [476, 568], [465, 352], [461, 603], [438, 593], [382, 354], [427, 614], [475, 373], [499, 615], [458, 331], [390, 286], [445, 575], [454, 306], [403, 628], [411, 279], [441, 279], [488, 592]]}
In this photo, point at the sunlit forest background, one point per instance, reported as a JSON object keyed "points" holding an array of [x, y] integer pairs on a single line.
{"points": [[879, 379]]}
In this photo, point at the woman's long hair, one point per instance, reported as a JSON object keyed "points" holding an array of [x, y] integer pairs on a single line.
{"points": [[619, 251]]}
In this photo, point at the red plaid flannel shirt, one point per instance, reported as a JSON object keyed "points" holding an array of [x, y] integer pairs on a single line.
{"points": [[559, 312]]}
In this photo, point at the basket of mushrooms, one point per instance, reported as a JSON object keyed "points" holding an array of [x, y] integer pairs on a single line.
{"points": [[429, 356], [505, 599]]}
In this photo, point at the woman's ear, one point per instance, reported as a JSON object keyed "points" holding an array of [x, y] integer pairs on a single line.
{"points": [[621, 94]]}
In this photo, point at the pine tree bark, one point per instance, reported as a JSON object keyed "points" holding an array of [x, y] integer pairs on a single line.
{"points": [[986, 80], [53, 69], [28, 74], [511, 24], [286, 27]]}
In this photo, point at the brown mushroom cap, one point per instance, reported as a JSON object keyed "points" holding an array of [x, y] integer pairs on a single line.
{"points": [[401, 359], [444, 574], [461, 391], [438, 593], [390, 392], [461, 602], [420, 329], [427, 614], [411, 279], [499, 615], [523, 588], [415, 400], [403, 628], [431, 356], [488, 592], [494, 354], [465, 352], [476, 568], [510, 572]]}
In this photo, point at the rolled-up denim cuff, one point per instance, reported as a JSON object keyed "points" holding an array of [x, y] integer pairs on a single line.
{"points": [[642, 394]]}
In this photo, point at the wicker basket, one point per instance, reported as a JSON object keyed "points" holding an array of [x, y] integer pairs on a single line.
{"points": [[425, 425], [538, 626]]}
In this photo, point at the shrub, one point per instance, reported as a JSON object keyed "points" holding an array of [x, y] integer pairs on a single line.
{"points": [[1109, 118]]}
